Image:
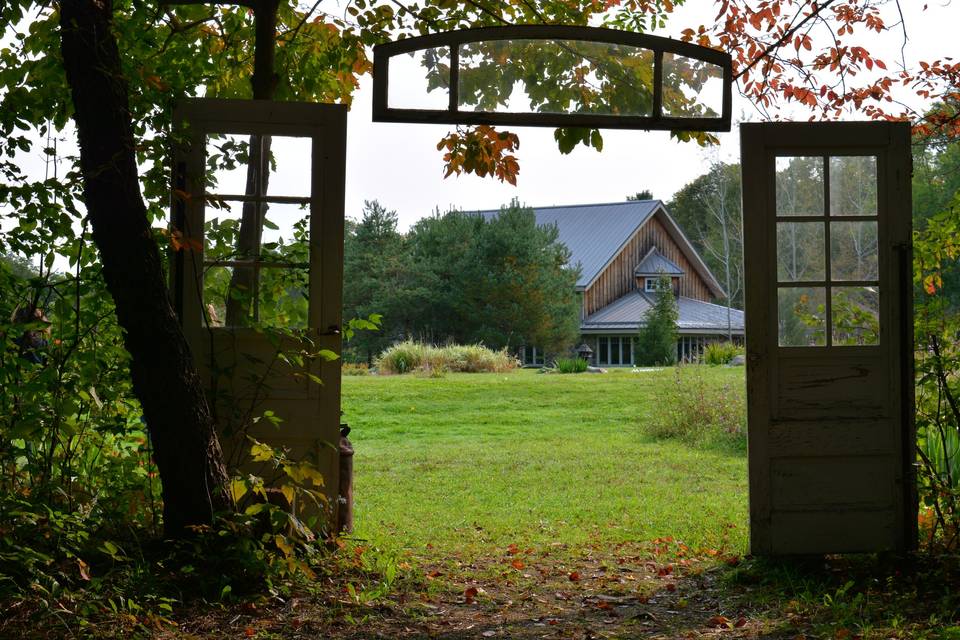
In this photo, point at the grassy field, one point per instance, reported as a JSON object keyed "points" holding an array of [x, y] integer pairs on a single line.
{"points": [[472, 462]]}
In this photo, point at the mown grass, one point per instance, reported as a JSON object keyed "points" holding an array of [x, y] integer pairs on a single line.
{"points": [[470, 462]]}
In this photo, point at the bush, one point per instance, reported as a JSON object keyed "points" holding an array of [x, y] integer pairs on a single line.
{"points": [[698, 411], [408, 356], [571, 365], [721, 352], [355, 369]]}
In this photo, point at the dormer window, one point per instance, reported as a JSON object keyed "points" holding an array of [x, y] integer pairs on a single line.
{"points": [[650, 285]]}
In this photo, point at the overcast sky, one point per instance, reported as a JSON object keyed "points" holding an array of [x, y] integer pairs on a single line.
{"points": [[398, 164]]}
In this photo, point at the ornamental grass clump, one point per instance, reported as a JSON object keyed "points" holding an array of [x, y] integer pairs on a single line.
{"points": [[409, 356], [699, 411], [721, 352], [571, 365]]}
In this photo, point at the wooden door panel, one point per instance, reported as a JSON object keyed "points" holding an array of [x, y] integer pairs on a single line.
{"points": [[809, 483], [811, 388], [842, 531], [841, 437]]}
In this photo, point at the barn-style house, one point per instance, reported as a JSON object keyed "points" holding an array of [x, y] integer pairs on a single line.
{"points": [[622, 249]]}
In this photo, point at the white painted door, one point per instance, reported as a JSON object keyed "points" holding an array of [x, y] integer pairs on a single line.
{"points": [[255, 310], [829, 336]]}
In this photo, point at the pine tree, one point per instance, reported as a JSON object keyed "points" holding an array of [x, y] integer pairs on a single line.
{"points": [[657, 341]]}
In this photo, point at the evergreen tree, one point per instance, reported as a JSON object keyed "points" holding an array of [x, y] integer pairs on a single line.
{"points": [[377, 278], [657, 341], [503, 281]]}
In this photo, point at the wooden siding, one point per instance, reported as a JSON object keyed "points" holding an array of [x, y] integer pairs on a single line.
{"points": [[617, 278]]}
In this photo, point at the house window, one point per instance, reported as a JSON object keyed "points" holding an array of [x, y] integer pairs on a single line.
{"points": [[614, 350], [650, 285], [531, 356]]}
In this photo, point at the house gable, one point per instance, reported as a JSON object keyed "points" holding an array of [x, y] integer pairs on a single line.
{"points": [[618, 276]]}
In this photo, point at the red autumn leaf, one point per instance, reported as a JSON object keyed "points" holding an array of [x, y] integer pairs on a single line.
{"points": [[741, 622], [517, 564], [574, 576], [604, 605], [720, 622], [513, 550], [469, 594], [671, 587], [249, 632], [434, 574]]}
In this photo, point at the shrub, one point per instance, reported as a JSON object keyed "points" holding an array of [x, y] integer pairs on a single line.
{"points": [[571, 365], [721, 352], [698, 411], [355, 369], [408, 356]]}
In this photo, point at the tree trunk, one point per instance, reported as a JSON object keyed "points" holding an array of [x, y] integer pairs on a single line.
{"points": [[243, 280], [178, 418]]}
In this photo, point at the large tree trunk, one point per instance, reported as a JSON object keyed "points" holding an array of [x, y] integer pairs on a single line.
{"points": [[181, 428]]}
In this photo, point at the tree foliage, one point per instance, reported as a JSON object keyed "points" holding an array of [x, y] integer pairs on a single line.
{"points": [[379, 278], [503, 281]]}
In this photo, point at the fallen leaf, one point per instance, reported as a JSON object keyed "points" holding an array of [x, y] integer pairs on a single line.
{"points": [[513, 550], [741, 622], [574, 576], [517, 564], [720, 622], [249, 632], [469, 594], [671, 587], [84, 569], [434, 574]]}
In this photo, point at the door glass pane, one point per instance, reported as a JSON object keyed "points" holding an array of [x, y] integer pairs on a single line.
{"points": [[290, 166], [800, 251], [555, 76], [227, 156], [221, 284], [603, 357], [801, 316], [853, 186], [614, 350], [284, 296], [855, 315], [691, 88], [853, 250], [286, 233], [419, 80], [800, 186]]}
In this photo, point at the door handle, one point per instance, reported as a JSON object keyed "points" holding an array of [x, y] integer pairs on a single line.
{"points": [[332, 330]]}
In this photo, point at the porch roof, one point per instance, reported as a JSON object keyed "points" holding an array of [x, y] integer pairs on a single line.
{"points": [[626, 314]]}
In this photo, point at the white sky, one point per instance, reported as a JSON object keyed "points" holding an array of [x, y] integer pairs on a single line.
{"points": [[398, 164]]}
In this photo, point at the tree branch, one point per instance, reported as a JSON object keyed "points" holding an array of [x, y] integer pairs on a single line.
{"points": [[784, 38]]}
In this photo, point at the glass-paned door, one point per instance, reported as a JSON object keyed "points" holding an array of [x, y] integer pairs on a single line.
{"points": [[257, 219], [829, 343]]}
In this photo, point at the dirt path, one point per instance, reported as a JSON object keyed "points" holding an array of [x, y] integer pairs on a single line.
{"points": [[623, 591]]}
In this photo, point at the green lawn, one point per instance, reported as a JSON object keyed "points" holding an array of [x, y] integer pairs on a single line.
{"points": [[472, 462]]}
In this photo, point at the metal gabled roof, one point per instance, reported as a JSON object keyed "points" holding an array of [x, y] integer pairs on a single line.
{"points": [[695, 316], [594, 233], [655, 263]]}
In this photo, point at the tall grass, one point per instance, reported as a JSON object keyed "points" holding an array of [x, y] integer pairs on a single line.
{"points": [[571, 365], [721, 352], [700, 411], [409, 356]]}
